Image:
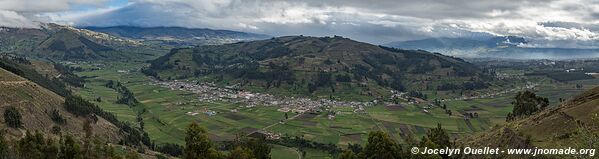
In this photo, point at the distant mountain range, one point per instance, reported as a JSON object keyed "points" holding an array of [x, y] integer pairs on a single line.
{"points": [[62, 42], [506, 47], [178, 36], [124, 42]]}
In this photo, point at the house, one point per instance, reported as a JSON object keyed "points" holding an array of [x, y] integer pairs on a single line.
{"points": [[261, 134], [210, 113]]}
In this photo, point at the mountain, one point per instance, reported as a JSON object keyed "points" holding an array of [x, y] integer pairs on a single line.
{"points": [[315, 66], [178, 36], [573, 122], [39, 108], [66, 44], [509, 47], [60, 42]]}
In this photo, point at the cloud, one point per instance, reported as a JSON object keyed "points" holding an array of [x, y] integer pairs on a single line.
{"points": [[13, 19], [45, 5], [575, 21], [25, 13]]}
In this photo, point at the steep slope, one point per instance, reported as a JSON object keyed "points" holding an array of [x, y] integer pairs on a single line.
{"points": [[306, 65], [178, 36], [36, 105], [554, 127], [20, 40], [68, 43]]}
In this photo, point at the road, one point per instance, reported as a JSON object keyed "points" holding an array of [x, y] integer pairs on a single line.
{"points": [[276, 123]]}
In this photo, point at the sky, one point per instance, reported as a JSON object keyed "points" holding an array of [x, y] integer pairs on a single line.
{"points": [[546, 23]]}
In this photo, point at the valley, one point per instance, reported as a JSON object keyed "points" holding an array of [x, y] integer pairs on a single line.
{"points": [[308, 97], [168, 106]]}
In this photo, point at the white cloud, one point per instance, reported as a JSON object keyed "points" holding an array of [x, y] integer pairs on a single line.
{"points": [[25, 13], [376, 22], [44, 5], [13, 19]]}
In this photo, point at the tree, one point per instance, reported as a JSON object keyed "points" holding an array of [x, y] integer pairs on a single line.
{"points": [[51, 149], [241, 153], [348, 155], [31, 146], [286, 116], [428, 143], [57, 117], [132, 155], [435, 138], [355, 148], [439, 136], [87, 145], [527, 103], [69, 148], [381, 145], [12, 117], [4, 150], [197, 144], [258, 146]]}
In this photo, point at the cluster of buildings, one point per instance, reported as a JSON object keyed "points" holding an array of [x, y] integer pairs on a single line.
{"points": [[207, 92]]}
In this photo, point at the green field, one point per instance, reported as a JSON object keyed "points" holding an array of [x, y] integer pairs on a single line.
{"points": [[164, 112]]}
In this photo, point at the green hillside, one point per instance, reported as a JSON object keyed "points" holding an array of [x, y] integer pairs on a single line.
{"points": [[59, 42], [572, 124], [321, 66], [37, 105], [66, 44]]}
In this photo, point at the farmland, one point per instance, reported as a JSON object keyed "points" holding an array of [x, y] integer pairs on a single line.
{"points": [[166, 111]]}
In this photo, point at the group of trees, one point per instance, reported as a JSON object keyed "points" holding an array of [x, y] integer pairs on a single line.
{"points": [[323, 79], [382, 145], [57, 117], [417, 94], [199, 146], [80, 107], [18, 68], [471, 85], [37, 145], [125, 95], [379, 145], [377, 72], [302, 144], [527, 103], [67, 75]]}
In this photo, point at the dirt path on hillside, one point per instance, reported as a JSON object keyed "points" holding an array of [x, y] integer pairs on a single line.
{"points": [[12, 82]]}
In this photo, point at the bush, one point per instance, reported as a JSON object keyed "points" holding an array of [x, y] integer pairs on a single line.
{"points": [[12, 117], [57, 117]]}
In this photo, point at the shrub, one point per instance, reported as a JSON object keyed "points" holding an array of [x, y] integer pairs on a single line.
{"points": [[12, 117]]}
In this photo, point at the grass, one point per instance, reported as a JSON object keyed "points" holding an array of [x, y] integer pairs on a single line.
{"points": [[165, 112], [282, 152], [165, 116]]}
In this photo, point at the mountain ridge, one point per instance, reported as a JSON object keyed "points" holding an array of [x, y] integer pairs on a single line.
{"points": [[312, 62], [178, 36]]}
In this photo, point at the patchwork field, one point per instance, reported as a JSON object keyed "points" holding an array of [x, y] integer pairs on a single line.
{"points": [[167, 112]]}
